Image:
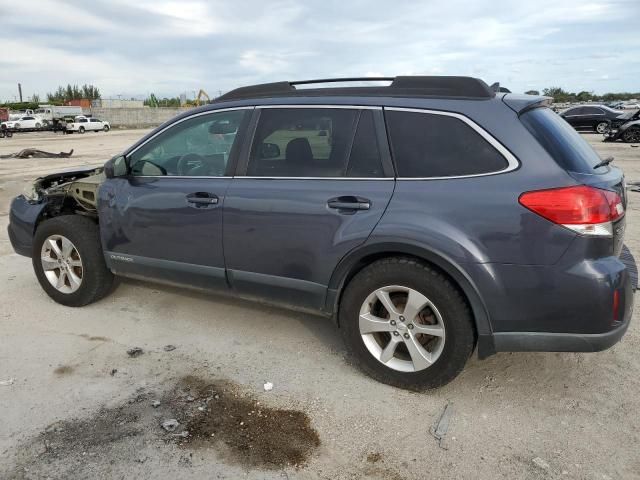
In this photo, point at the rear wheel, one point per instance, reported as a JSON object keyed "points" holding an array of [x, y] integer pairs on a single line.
{"points": [[81, 130], [406, 324], [602, 127], [38, 126], [631, 135], [68, 261]]}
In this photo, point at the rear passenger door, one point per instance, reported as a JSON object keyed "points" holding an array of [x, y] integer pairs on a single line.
{"points": [[312, 185]]}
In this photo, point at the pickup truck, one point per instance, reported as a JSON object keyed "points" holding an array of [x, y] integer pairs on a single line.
{"points": [[83, 124]]}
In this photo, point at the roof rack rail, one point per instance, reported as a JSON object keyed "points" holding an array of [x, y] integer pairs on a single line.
{"points": [[403, 86]]}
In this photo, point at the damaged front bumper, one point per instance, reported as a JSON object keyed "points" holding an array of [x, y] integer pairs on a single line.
{"points": [[50, 196], [23, 219]]}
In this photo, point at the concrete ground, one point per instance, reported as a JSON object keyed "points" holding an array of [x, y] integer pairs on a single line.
{"points": [[74, 404]]}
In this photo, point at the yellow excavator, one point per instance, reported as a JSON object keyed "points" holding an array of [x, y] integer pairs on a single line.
{"points": [[202, 95]]}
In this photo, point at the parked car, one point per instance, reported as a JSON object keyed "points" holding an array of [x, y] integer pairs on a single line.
{"points": [[598, 118], [83, 124], [24, 123], [423, 217]]}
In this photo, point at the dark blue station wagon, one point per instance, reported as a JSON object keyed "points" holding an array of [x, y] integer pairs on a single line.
{"points": [[427, 217]]}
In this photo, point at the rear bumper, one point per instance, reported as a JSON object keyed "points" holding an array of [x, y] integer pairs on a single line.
{"points": [[560, 342], [560, 310], [23, 218]]}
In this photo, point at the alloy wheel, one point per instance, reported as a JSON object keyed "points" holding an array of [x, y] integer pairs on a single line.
{"points": [[61, 263], [402, 328]]}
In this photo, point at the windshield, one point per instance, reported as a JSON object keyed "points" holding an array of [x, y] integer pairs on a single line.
{"points": [[562, 142]]}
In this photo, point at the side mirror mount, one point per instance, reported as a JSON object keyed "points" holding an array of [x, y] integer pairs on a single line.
{"points": [[116, 167], [269, 150]]}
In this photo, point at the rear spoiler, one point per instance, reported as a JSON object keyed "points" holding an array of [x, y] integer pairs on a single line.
{"points": [[522, 103]]}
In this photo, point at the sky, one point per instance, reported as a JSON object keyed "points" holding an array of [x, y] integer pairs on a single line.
{"points": [[135, 47]]}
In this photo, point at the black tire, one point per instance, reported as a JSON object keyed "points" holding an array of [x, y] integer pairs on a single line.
{"points": [[456, 315], [631, 135], [105, 128], [97, 279], [16, 126], [9, 134], [602, 127], [38, 126], [2, 133], [81, 130]]}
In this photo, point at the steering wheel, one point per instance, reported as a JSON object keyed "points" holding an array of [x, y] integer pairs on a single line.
{"points": [[183, 166]]}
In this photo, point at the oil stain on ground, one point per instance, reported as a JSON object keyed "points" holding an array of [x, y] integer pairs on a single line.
{"points": [[244, 430], [211, 414]]}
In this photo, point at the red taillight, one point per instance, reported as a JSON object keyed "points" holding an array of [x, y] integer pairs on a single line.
{"points": [[616, 305], [579, 205]]}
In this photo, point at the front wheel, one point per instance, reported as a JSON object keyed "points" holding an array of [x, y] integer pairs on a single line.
{"points": [[632, 135], [105, 128], [38, 126], [81, 130], [602, 127], [406, 324], [68, 261]]}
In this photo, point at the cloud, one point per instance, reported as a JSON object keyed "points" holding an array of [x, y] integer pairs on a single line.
{"points": [[168, 47]]}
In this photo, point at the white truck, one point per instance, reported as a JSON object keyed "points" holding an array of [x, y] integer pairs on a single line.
{"points": [[83, 124], [55, 117]]}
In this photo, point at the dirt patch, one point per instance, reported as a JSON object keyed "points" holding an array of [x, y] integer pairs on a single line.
{"points": [[95, 339], [245, 430], [63, 370]]}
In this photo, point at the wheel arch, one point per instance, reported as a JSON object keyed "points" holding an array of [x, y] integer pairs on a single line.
{"points": [[357, 259]]}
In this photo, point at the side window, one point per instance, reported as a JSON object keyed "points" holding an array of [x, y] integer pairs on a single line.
{"points": [[592, 111], [574, 111], [302, 142], [431, 145], [199, 146], [365, 160]]}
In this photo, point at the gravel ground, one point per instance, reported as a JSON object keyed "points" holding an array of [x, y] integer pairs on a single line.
{"points": [[81, 407]]}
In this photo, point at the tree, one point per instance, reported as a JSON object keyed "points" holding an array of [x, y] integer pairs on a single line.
{"points": [[35, 98], [532, 92], [584, 96], [153, 101], [73, 92], [558, 94]]}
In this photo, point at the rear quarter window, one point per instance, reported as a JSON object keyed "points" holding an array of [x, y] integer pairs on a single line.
{"points": [[561, 141], [426, 145]]}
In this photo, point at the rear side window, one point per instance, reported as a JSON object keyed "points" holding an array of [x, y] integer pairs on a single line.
{"points": [[430, 145], [302, 142], [562, 142], [592, 111]]}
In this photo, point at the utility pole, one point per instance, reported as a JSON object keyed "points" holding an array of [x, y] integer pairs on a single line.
{"points": [[20, 92]]}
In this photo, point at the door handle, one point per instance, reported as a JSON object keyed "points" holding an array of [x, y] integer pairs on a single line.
{"points": [[202, 198], [349, 203]]}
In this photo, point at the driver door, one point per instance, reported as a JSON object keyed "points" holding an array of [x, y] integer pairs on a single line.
{"points": [[163, 220]]}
